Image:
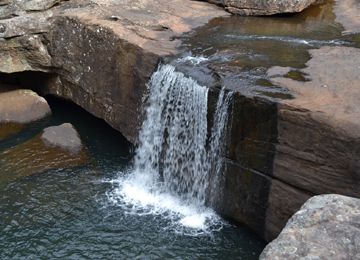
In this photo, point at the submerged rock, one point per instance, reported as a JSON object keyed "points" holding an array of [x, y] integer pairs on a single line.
{"points": [[326, 227], [64, 136], [268, 7], [57, 148], [22, 106]]}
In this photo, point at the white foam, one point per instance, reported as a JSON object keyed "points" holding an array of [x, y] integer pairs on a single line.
{"points": [[194, 60], [288, 39], [137, 195], [172, 173]]}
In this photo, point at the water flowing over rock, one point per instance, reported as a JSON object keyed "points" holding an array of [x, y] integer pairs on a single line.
{"points": [[326, 227], [173, 139], [173, 136], [264, 7]]}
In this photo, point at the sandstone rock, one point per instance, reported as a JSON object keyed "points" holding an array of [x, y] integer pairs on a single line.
{"points": [[326, 227], [264, 7], [283, 151], [9, 9], [22, 106], [348, 14], [322, 148], [100, 53], [64, 136]]}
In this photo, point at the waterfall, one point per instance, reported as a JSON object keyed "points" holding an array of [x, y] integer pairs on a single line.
{"points": [[177, 169], [217, 145], [173, 136]]}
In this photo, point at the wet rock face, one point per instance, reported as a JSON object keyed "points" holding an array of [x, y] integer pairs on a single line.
{"points": [[264, 7], [64, 136], [281, 153], [22, 106], [326, 227]]}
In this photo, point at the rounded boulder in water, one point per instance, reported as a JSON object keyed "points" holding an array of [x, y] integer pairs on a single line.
{"points": [[22, 106], [64, 136]]}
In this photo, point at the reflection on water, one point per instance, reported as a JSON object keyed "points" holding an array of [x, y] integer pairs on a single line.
{"points": [[33, 157], [8, 129]]}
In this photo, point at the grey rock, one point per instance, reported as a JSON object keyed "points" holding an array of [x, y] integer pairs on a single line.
{"points": [[264, 7], [326, 227], [64, 136]]}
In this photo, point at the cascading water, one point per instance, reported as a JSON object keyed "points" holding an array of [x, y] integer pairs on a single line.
{"points": [[217, 140], [174, 172]]}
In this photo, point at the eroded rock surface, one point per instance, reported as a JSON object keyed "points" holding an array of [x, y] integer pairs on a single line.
{"points": [[318, 146], [281, 152], [348, 14], [99, 54], [64, 136], [326, 227], [264, 7], [22, 106]]}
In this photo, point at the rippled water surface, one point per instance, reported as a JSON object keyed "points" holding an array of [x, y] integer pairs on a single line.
{"points": [[80, 212]]}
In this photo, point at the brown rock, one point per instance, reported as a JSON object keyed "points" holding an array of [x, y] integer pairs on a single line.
{"points": [[22, 106], [319, 130], [283, 151], [99, 54]]}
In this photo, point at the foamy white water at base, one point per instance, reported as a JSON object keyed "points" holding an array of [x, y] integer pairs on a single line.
{"points": [[174, 174], [133, 194]]}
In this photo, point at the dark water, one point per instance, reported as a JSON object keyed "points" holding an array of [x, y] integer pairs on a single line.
{"points": [[65, 213]]}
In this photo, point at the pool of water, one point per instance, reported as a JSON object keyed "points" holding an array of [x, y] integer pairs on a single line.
{"points": [[236, 52], [79, 212]]}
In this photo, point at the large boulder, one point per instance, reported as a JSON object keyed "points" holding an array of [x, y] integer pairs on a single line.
{"points": [[264, 7], [22, 106], [326, 227]]}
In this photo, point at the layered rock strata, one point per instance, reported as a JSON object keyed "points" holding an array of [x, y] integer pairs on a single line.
{"points": [[281, 152]]}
